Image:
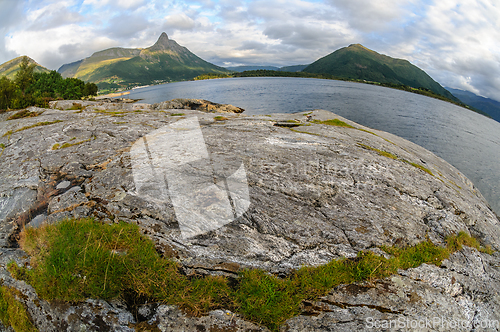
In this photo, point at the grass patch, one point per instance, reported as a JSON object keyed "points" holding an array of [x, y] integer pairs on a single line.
{"points": [[79, 259], [393, 156], [423, 168], [367, 131], [24, 114], [333, 122], [58, 146], [380, 152], [177, 114], [45, 123], [220, 118], [455, 243], [76, 107], [13, 313]]}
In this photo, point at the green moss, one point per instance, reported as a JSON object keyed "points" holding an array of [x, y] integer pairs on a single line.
{"points": [[333, 122], [45, 123], [220, 118], [76, 107], [58, 146], [393, 156], [78, 259], [13, 313], [455, 243], [380, 152], [177, 114], [367, 131], [423, 168]]}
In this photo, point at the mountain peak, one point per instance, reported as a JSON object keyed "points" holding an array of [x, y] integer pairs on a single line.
{"points": [[163, 38], [163, 43]]}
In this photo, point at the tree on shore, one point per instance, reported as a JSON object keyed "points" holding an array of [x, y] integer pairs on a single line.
{"points": [[37, 89]]}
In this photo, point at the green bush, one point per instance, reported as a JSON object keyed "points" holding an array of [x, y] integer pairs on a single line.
{"points": [[37, 89]]}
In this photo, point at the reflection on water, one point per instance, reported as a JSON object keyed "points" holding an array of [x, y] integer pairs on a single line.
{"points": [[468, 141]]}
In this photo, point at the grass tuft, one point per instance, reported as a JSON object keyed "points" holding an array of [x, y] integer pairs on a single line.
{"points": [[23, 114], [220, 118], [333, 122], [13, 313], [79, 259]]}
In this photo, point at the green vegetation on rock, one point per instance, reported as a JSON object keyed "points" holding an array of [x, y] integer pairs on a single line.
{"points": [[12, 312], [393, 156], [30, 88], [333, 122], [79, 259], [38, 124], [10, 68]]}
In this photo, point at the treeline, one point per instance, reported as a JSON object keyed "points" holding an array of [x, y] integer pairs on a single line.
{"points": [[37, 89], [276, 73], [210, 76]]}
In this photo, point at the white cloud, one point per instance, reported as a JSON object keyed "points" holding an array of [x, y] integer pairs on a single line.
{"points": [[124, 4], [179, 21]]}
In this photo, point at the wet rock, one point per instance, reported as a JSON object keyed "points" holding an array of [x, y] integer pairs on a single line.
{"points": [[315, 193]]}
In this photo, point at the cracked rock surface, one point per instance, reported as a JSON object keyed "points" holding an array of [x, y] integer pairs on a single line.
{"points": [[317, 193]]}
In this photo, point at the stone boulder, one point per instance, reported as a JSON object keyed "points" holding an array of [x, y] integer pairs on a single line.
{"points": [[314, 193]]}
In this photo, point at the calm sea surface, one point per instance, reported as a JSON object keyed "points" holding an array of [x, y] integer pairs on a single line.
{"points": [[468, 141]]}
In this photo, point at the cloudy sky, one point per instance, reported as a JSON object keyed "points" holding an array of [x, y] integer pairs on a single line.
{"points": [[457, 42]]}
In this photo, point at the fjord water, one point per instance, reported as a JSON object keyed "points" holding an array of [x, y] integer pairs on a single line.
{"points": [[467, 140]]}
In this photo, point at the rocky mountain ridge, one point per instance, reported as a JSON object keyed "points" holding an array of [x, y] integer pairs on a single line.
{"points": [[317, 192]]}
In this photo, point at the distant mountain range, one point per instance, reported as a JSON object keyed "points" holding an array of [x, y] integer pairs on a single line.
{"points": [[165, 61], [10, 68], [487, 105]]}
